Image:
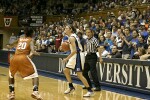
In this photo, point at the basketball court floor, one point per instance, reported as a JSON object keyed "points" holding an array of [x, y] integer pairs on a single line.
{"points": [[53, 89]]}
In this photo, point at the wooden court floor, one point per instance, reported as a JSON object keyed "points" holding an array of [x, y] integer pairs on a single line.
{"points": [[52, 89]]}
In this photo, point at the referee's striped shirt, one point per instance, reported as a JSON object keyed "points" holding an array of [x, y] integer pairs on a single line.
{"points": [[92, 45]]}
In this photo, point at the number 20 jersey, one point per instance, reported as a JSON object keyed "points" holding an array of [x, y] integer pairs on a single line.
{"points": [[23, 46]]}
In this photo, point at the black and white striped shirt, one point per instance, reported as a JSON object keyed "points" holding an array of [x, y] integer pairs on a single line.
{"points": [[92, 45]]}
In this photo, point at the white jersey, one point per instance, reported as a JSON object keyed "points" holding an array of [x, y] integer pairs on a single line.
{"points": [[78, 44], [76, 62]]}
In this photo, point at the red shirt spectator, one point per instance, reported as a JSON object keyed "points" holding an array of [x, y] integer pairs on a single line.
{"points": [[58, 41]]}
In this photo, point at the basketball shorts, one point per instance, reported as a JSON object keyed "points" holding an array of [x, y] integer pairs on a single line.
{"points": [[76, 62], [24, 65]]}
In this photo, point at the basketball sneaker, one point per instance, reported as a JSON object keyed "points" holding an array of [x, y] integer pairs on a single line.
{"points": [[36, 95], [69, 90], [11, 96], [88, 94]]}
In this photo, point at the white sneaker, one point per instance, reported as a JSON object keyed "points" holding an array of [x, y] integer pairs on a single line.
{"points": [[88, 94], [69, 90], [36, 95], [11, 96]]}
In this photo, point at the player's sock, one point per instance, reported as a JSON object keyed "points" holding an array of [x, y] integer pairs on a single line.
{"points": [[35, 88], [11, 88], [89, 89], [70, 85], [70, 89]]}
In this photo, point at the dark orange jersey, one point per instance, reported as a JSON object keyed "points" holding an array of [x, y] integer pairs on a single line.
{"points": [[20, 61], [23, 46]]}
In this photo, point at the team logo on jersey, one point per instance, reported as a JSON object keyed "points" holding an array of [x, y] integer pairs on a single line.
{"points": [[7, 21], [78, 69]]}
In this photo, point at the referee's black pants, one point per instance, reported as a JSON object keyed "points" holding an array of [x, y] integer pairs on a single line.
{"points": [[90, 65]]}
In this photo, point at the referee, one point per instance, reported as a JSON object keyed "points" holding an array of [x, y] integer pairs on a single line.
{"points": [[91, 48]]}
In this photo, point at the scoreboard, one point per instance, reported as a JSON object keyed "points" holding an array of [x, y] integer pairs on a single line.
{"points": [[36, 21], [31, 20]]}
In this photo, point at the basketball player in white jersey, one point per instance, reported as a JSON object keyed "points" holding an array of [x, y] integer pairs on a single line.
{"points": [[76, 61]]}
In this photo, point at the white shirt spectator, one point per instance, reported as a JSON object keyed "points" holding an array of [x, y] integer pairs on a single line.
{"points": [[119, 42], [104, 54]]}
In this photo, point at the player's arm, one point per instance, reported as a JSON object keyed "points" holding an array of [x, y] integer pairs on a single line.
{"points": [[72, 42], [32, 52]]}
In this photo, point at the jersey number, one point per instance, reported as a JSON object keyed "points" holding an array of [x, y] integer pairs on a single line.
{"points": [[22, 45]]}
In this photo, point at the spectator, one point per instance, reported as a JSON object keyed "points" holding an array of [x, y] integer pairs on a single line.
{"points": [[147, 55], [134, 43], [101, 39], [116, 25], [139, 53], [115, 53], [114, 31], [38, 42], [108, 42], [126, 44], [43, 49], [119, 41], [12, 39], [103, 50], [93, 27], [51, 49], [143, 32], [142, 43], [45, 41], [58, 41]]}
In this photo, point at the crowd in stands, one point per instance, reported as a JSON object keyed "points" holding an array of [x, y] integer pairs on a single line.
{"points": [[58, 7], [22, 7], [126, 35]]}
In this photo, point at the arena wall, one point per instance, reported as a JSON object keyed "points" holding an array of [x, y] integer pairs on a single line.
{"points": [[131, 75]]}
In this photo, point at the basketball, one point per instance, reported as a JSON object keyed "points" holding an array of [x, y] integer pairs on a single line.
{"points": [[65, 46]]}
